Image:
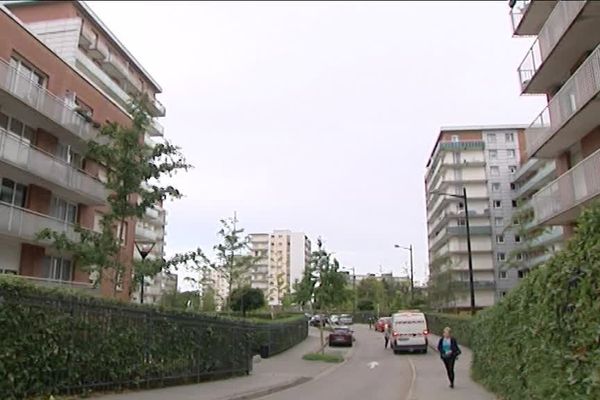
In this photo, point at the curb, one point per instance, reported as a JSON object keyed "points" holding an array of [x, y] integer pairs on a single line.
{"points": [[270, 390]]}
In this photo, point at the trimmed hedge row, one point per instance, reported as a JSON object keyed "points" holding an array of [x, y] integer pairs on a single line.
{"points": [[543, 340], [460, 325], [59, 342]]}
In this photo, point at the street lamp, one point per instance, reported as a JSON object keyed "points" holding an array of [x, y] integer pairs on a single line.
{"points": [[144, 248], [412, 282], [470, 256], [353, 287]]}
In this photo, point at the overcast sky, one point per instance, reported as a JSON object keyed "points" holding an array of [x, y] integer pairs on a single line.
{"points": [[320, 117]]}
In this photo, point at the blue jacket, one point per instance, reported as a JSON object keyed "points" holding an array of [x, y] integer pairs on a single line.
{"points": [[453, 346]]}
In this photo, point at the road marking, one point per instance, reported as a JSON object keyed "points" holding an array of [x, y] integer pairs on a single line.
{"points": [[373, 364], [409, 395]]}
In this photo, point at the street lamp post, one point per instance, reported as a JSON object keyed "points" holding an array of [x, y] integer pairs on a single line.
{"points": [[412, 281], [470, 256], [144, 248], [353, 289]]}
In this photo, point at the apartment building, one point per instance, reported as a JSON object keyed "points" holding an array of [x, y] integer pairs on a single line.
{"points": [[482, 160], [50, 106], [156, 287], [282, 258], [214, 280], [563, 64]]}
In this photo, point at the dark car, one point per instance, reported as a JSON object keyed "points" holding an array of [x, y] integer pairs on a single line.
{"points": [[381, 322], [341, 336], [316, 320]]}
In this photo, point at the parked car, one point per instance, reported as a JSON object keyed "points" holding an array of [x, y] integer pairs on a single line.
{"points": [[334, 319], [341, 335], [381, 322], [409, 332], [315, 320], [345, 319]]}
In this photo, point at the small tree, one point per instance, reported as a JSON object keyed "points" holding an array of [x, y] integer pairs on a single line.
{"points": [[130, 165], [247, 299]]}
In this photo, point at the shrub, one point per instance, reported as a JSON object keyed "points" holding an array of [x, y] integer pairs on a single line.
{"points": [[542, 341], [61, 342], [460, 325]]}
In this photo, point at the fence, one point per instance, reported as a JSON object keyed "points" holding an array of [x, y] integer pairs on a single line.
{"points": [[58, 343]]}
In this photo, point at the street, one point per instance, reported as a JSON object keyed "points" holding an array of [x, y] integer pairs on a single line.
{"points": [[377, 374]]}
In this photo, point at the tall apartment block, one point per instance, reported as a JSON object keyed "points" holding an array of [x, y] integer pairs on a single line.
{"points": [[564, 65], [283, 256], [482, 160], [215, 280], [62, 75]]}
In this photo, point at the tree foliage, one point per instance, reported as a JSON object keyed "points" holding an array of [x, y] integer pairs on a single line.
{"points": [[247, 299]]}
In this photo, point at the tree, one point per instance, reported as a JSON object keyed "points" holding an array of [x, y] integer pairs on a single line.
{"points": [[133, 171], [373, 289], [365, 305], [247, 299]]}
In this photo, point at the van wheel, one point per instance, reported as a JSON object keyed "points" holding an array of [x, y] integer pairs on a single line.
{"points": [[424, 351]]}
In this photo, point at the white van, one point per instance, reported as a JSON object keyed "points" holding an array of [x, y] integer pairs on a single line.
{"points": [[409, 331]]}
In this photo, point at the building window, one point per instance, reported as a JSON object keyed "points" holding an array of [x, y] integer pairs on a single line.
{"points": [[503, 294], [515, 221], [462, 222], [495, 187], [519, 256], [455, 138], [513, 186], [66, 153], [57, 268], [503, 275], [63, 210], [510, 153], [510, 137], [522, 274], [17, 128], [512, 169], [499, 221], [495, 171], [497, 203], [500, 256], [13, 193], [27, 71], [517, 238], [491, 138], [499, 238], [515, 204], [493, 154]]}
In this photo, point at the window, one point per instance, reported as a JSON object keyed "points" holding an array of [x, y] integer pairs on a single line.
{"points": [[499, 238], [455, 138], [522, 274], [491, 138], [495, 171], [29, 81], [512, 169], [57, 268], [497, 203], [515, 204], [499, 221], [517, 238], [13, 193], [66, 153], [513, 186], [63, 210], [503, 275], [17, 128], [510, 153], [461, 206], [462, 222], [515, 221], [495, 187], [502, 294], [519, 256], [510, 137], [493, 154], [500, 256]]}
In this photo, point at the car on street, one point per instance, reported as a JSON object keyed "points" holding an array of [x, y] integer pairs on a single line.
{"points": [[345, 319], [381, 322], [316, 319], [334, 319], [409, 332], [341, 335]]}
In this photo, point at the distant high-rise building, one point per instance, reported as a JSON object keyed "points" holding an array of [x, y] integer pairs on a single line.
{"points": [[482, 160], [283, 256]]}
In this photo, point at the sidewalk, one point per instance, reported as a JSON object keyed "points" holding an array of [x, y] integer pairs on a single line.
{"points": [[430, 386], [268, 376]]}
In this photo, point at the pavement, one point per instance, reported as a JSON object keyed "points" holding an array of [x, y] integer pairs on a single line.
{"points": [[369, 371]]}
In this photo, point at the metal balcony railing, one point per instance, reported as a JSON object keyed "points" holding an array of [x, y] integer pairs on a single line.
{"points": [[26, 224], [541, 174], [23, 155], [88, 287], [581, 87], [44, 102], [579, 184], [517, 12], [561, 18], [464, 285]]}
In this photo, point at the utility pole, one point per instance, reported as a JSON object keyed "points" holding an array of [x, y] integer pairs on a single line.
{"points": [[471, 283], [412, 278]]}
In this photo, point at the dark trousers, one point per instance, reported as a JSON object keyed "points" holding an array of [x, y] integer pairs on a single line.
{"points": [[387, 340], [449, 364]]}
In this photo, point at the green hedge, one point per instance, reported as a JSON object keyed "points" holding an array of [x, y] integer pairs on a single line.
{"points": [[542, 341], [460, 325], [59, 342]]}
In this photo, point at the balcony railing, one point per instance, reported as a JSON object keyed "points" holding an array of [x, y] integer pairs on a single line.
{"points": [[88, 287], [581, 87], [147, 234], [19, 153], [465, 285], [541, 174], [558, 22], [517, 12], [44, 102], [576, 186], [156, 108], [26, 224]]}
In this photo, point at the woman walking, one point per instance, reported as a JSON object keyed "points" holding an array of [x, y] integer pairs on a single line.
{"points": [[449, 351], [387, 333]]}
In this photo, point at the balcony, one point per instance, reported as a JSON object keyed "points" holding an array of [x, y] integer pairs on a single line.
{"points": [[463, 145], [477, 285], [543, 176], [99, 76], [142, 233], [98, 50], [570, 115], [561, 201], [25, 224], [528, 16], [38, 165], [156, 129], [53, 113], [156, 108], [437, 241], [54, 283], [570, 31], [115, 67], [87, 37]]}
